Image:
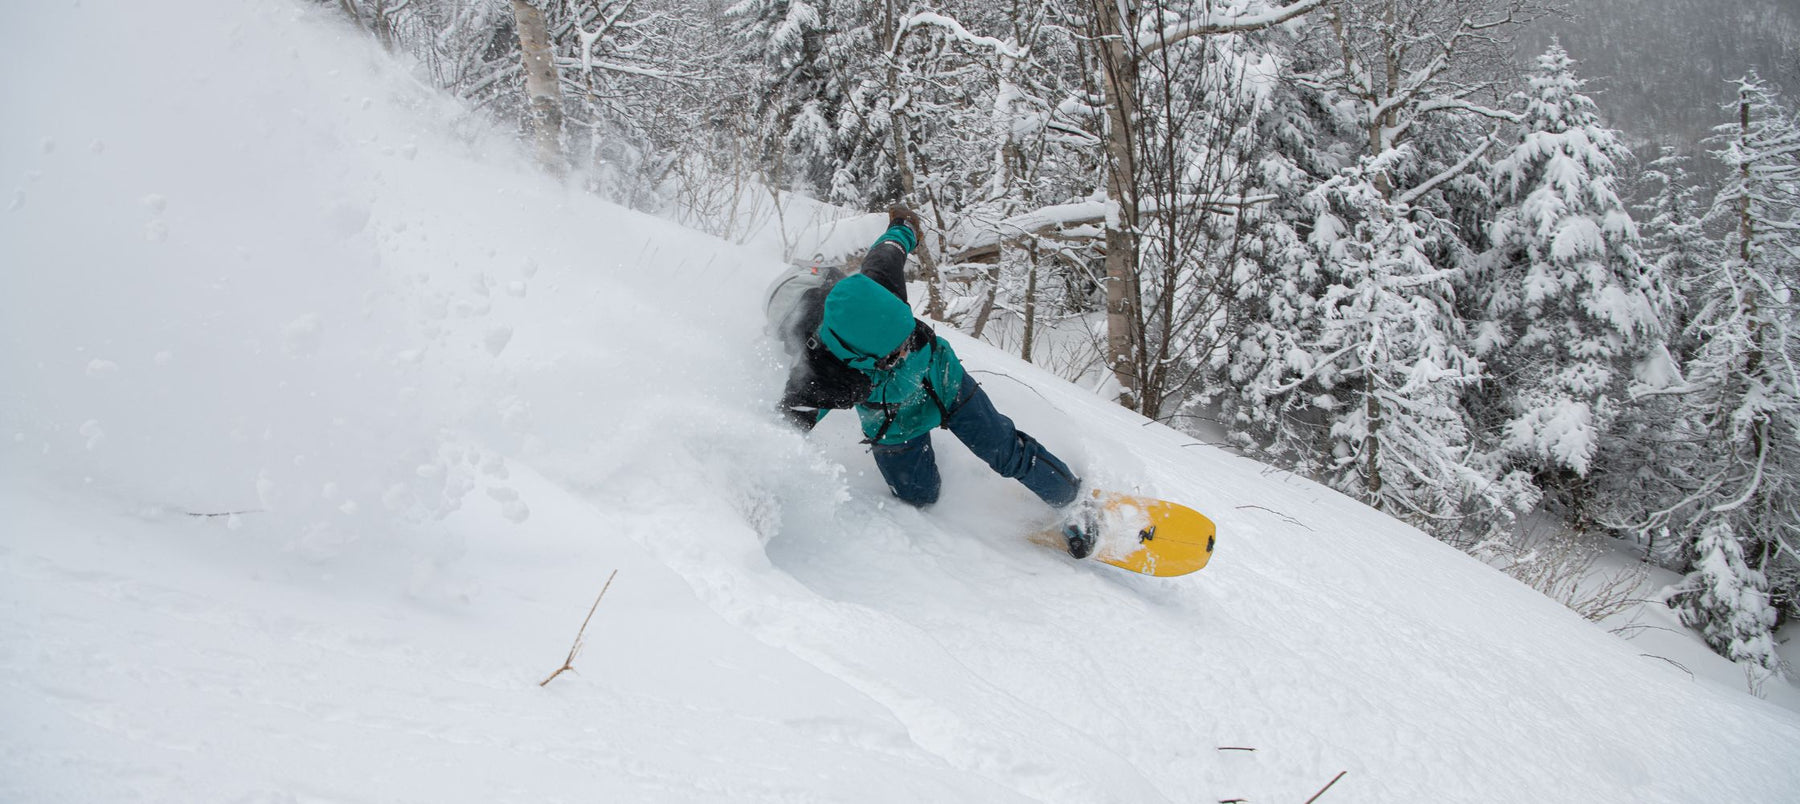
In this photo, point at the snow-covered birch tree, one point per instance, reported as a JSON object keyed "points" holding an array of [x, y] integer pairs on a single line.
{"points": [[543, 87], [985, 142]]}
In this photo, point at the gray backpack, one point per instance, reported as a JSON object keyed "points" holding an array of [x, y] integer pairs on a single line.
{"points": [[791, 297]]}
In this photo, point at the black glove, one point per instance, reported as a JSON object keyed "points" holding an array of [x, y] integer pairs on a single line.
{"points": [[803, 418]]}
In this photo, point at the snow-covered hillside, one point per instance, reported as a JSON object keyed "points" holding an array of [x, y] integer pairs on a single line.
{"points": [[325, 419]]}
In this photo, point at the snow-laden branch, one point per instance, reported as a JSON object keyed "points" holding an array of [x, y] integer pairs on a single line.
{"points": [[627, 69], [1750, 489], [1314, 370], [1207, 23], [959, 33], [1070, 218], [1413, 195], [1458, 104]]}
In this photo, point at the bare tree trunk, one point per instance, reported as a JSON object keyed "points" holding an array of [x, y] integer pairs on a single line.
{"points": [[987, 303], [544, 115], [349, 7], [1120, 89], [928, 268], [1745, 231], [1031, 291], [383, 23], [1372, 447], [1005, 156]]}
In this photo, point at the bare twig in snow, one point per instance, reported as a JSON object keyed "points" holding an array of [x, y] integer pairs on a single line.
{"points": [[1630, 630], [1290, 520], [1677, 664], [569, 663], [1334, 780], [1027, 385]]}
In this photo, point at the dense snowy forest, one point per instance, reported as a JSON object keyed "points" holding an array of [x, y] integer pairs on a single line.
{"points": [[1399, 247]]}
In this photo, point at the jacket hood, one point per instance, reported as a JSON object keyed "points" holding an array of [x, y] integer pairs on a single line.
{"points": [[864, 320]]}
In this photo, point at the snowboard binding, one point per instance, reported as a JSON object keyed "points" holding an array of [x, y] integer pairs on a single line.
{"points": [[1082, 529]]}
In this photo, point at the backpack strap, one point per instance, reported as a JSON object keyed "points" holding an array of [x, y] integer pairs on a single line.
{"points": [[943, 410], [887, 420]]}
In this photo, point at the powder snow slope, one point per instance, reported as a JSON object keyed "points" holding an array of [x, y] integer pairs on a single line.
{"points": [[427, 402]]}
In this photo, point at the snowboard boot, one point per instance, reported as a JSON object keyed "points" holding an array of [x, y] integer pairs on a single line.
{"points": [[1082, 528]]}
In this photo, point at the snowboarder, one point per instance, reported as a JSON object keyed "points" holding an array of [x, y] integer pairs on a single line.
{"points": [[857, 345]]}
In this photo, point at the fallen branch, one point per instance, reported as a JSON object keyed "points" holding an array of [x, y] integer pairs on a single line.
{"points": [[569, 663], [1027, 385], [1633, 629], [1291, 520], [1677, 664], [1334, 780], [224, 513], [1234, 748]]}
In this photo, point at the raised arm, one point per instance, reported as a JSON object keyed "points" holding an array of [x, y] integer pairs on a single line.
{"points": [[886, 260]]}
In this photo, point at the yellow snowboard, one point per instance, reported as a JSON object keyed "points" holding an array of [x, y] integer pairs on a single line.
{"points": [[1146, 535]]}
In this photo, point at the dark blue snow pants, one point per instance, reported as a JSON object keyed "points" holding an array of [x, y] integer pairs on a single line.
{"points": [[910, 468]]}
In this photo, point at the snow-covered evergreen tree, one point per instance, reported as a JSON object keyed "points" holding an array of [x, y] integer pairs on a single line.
{"points": [[1744, 375], [1677, 247], [802, 91], [1389, 356], [1655, 445], [1727, 601], [1565, 308], [1283, 280]]}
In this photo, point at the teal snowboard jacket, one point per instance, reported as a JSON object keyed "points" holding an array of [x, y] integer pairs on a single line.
{"points": [[912, 377]]}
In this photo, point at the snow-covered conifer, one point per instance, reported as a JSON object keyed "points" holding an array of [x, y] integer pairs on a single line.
{"points": [[1676, 245], [1390, 358], [1283, 280], [1727, 601], [797, 90], [1655, 446], [1743, 384], [1564, 300]]}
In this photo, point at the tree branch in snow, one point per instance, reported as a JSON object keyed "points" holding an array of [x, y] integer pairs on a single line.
{"points": [[1334, 780], [1068, 220], [1678, 665], [569, 663], [959, 33], [1432, 183], [1209, 23], [628, 69], [1291, 521], [1458, 104], [1017, 380]]}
